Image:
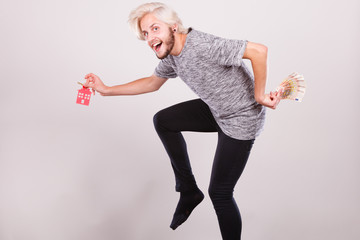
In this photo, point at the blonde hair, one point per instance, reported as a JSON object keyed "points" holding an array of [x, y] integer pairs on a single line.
{"points": [[160, 11]]}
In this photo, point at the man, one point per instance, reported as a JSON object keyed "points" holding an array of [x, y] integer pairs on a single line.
{"points": [[231, 103]]}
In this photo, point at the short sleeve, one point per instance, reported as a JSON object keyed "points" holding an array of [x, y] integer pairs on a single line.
{"points": [[165, 70], [228, 52]]}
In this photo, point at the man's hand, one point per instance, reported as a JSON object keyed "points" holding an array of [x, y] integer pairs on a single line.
{"points": [[271, 100], [95, 83]]}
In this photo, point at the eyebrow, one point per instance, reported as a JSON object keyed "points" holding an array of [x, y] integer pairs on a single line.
{"points": [[143, 31], [151, 26]]}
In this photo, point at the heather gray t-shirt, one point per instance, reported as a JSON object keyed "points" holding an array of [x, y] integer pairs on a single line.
{"points": [[213, 68]]}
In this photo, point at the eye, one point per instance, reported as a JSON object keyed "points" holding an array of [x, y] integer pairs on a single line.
{"points": [[156, 28]]}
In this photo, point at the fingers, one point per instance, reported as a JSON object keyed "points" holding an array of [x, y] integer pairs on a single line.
{"points": [[86, 84], [90, 75], [271, 96], [274, 98], [90, 80], [277, 99]]}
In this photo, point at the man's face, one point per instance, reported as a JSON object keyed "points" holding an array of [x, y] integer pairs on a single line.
{"points": [[158, 35]]}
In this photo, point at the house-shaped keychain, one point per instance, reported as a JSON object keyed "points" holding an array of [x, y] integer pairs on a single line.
{"points": [[83, 96]]}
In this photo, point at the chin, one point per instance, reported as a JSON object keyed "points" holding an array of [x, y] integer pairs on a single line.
{"points": [[162, 56]]}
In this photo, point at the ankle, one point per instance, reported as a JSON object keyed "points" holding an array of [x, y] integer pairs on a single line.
{"points": [[191, 192]]}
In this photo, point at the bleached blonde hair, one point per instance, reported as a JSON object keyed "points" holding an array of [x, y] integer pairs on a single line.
{"points": [[160, 11]]}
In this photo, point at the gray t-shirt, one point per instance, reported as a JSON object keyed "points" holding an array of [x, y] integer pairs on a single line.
{"points": [[213, 68]]}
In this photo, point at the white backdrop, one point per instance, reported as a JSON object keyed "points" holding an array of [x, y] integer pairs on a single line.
{"points": [[70, 172]]}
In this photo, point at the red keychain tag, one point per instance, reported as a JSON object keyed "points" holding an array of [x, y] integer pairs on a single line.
{"points": [[83, 96]]}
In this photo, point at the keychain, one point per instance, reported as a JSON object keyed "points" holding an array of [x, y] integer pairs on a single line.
{"points": [[83, 96]]}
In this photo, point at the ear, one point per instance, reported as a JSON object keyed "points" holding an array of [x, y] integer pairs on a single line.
{"points": [[175, 27]]}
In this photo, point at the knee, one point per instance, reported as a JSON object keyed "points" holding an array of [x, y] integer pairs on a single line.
{"points": [[159, 120], [219, 194], [212, 193]]}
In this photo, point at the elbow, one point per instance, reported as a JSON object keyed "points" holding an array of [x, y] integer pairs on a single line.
{"points": [[255, 51], [261, 54], [262, 50], [156, 83], [154, 87]]}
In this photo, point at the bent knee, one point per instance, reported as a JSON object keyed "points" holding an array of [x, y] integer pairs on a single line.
{"points": [[159, 120]]}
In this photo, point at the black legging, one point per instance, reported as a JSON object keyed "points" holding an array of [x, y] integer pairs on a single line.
{"points": [[229, 162]]}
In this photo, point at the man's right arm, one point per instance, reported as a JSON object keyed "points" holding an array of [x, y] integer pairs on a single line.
{"points": [[140, 86]]}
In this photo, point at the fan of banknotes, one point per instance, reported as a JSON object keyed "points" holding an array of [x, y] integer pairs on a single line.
{"points": [[293, 87]]}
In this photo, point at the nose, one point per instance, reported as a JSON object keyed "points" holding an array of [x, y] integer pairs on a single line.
{"points": [[149, 38]]}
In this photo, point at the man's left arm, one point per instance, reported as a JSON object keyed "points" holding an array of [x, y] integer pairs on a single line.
{"points": [[257, 54]]}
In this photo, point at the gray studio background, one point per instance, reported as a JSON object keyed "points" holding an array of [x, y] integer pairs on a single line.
{"points": [[71, 172]]}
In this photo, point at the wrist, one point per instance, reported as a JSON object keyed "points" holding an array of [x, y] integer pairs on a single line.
{"points": [[106, 91], [259, 98]]}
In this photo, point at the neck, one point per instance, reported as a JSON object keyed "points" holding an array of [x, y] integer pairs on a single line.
{"points": [[180, 40]]}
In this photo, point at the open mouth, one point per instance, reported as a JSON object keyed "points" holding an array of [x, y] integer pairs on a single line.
{"points": [[157, 46]]}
